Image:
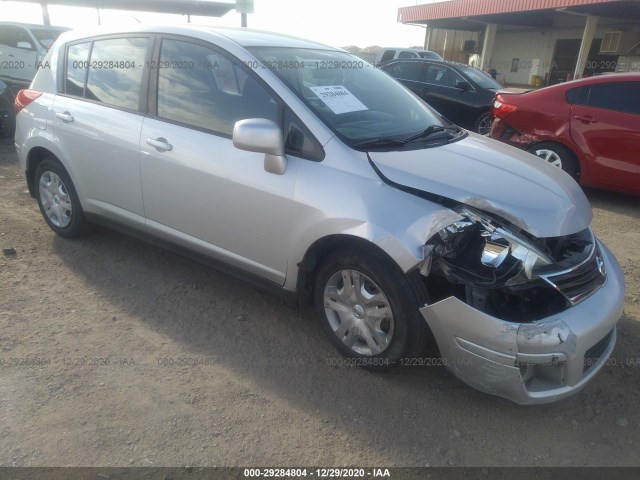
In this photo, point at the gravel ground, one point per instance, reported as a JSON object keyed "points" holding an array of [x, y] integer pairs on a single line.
{"points": [[98, 337]]}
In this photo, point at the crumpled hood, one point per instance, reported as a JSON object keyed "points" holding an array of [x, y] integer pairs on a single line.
{"points": [[496, 178]]}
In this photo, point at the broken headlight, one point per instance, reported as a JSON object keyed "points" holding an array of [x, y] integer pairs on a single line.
{"points": [[479, 249], [497, 269]]}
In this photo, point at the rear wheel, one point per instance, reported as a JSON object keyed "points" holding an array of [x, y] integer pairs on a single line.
{"points": [[58, 200], [367, 308], [557, 155]]}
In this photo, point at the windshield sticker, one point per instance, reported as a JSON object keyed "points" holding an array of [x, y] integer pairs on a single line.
{"points": [[338, 99]]}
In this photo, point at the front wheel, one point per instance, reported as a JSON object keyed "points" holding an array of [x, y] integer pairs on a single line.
{"points": [[367, 308]]}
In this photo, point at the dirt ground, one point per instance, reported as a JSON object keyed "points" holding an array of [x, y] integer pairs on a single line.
{"points": [[116, 353]]}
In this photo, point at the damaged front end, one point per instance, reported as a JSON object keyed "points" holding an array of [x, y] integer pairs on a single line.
{"points": [[517, 316]]}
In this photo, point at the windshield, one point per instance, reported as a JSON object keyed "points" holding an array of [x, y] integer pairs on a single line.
{"points": [[481, 78], [354, 99], [46, 37]]}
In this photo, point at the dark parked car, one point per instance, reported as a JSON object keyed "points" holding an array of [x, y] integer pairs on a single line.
{"points": [[7, 114], [590, 128], [461, 93]]}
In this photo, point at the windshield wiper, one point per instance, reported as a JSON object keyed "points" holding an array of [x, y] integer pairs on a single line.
{"points": [[431, 130], [380, 142], [383, 142]]}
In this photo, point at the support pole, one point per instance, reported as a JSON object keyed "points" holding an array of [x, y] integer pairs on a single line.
{"points": [[487, 45], [427, 38], [587, 37], [46, 20]]}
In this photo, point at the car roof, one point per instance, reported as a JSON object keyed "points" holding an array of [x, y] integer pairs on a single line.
{"points": [[606, 78], [35, 26], [242, 36], [425, 60]]}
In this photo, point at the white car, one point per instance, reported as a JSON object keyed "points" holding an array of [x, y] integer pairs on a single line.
{"points": [[22, 48], [317, 176], [387, 54]]}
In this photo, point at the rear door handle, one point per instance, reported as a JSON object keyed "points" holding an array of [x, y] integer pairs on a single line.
{"points": [[585, 118], [160, 144], [65, 116]]}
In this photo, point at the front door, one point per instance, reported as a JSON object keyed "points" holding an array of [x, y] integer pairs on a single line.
{"points": [[199, 190]]}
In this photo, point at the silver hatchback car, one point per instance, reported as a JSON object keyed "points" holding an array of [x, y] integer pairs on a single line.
{"points": [[311, 173]]}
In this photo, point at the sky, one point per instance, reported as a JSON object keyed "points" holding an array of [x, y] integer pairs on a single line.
{"points": [[338, 23]]}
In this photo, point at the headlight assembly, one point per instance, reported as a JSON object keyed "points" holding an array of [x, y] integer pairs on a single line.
{"points": [[488, 251], [502, 271]]}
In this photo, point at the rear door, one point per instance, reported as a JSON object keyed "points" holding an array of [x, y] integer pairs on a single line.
{"points": [[97, 121], [605, 120], [199, 190]]}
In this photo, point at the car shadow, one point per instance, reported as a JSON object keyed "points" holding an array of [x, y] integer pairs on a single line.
{"points": [[621, 203], [402, 414]]}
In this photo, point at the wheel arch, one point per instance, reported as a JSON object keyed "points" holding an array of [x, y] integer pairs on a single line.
{"points": [[581, 162], [35, 156], [321, 248]]}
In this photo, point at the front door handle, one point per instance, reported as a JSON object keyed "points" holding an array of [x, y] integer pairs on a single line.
{"points": [[65, 116], [160, 144], [585, 118]]}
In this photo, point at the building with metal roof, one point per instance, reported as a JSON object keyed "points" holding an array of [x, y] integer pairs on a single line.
{"points": [[534, 41]]}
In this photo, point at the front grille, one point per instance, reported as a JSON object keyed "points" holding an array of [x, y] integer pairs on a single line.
{"points": [[579, 282], [592, 355]]}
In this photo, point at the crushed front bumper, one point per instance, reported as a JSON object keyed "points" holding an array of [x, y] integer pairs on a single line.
{"points": [[530, 363]]}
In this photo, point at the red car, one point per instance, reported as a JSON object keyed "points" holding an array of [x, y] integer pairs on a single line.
{"points": [[590, 128]]}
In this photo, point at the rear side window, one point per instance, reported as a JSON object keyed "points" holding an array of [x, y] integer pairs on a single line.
{"points": [[621, 97], [199, 86], [107, 71]]}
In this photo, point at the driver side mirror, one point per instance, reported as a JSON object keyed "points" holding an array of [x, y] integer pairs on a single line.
{"points": [[262, 136], [24, 45], [462, 85]]}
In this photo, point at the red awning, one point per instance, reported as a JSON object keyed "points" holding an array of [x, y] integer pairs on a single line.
{"points": [[468, 8]]}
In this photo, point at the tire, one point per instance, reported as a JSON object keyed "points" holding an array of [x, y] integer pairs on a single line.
{"points": [[557, 155], [482, 124], [58, 200], [378, 341]]}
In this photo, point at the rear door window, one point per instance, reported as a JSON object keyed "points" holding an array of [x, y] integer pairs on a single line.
{"points": [[107, 71], [77, 64], [621, 97], [115, 72]]}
